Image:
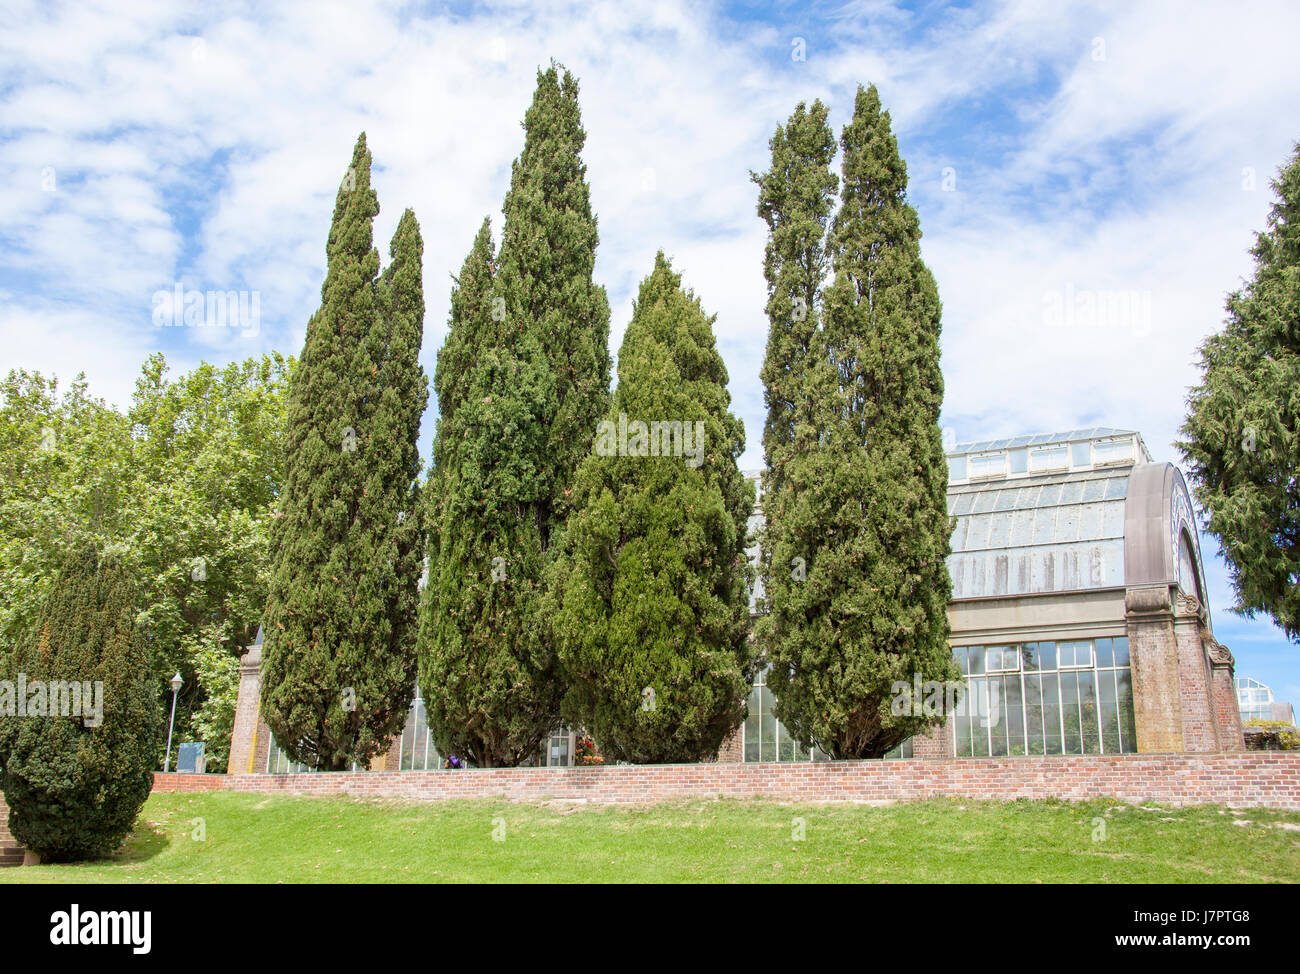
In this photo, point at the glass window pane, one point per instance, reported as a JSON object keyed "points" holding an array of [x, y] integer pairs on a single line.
{"points": [[1029, 656], [1124, 693], [963, 736], [1109, 712], [1034, 713], [959, 655], [421, 740], [1070, 716], [975, 654], [1105, 654], [1088, 712], [1052, 714], [1047, 656], [1014, 716], [751, 733], [996, 718], [1110, 451], [1048, 458], [987, 465], [980, 717], [1120, 644]]}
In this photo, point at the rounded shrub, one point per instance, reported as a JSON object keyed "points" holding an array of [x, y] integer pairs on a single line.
{"points": [[79, 730]]}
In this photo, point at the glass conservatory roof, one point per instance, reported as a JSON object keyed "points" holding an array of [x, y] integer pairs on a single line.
{"points": [[1036, 439], [1036, 514], [1056, 533]]}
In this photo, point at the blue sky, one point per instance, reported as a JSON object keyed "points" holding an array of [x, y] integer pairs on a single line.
{"points": [[1109, 150]]}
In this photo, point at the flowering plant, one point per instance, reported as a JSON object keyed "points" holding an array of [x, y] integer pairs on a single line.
{"points": [[585, 751]]}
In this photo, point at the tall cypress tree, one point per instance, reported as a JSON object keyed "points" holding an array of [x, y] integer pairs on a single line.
{"points": [[74, 784], [525, 417], [548, 254], [867, 477], [795, 200], [487, 677], [1242, 434], [339, 662], [649, 592]]}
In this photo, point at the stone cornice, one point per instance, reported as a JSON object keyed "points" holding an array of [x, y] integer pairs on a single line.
{"points": [[1148, 600]]}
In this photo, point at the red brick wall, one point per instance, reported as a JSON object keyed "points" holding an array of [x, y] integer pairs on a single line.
{"points": [[1267, 778], [1157, 697], [1226, 711], [7, 841], [1199, 730], [733, 748], [937, 743], [191, 782]]}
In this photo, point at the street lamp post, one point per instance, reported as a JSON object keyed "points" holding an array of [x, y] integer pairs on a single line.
{"points": [[176, 687]]}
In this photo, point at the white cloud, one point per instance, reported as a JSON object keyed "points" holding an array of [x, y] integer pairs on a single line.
{"points": [[206, 148]]}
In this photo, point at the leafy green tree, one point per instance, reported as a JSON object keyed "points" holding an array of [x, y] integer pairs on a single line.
{"points": [[650, 586], [338, 664], [65, 478], [182, 485], [522, 381], [78, 765], [207, 464], [1241, 439], [861, 507]]}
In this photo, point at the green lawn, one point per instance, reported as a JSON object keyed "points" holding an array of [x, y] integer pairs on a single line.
{"points": [[265, 839]]}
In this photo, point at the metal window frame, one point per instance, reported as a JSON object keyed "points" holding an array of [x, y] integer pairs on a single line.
{"points": [[1098, 672]]}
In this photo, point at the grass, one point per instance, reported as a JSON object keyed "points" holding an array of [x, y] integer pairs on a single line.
{"points": [[228, 837]]}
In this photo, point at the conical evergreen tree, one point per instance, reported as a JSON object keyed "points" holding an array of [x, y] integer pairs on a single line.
{"points": [[649, 592], [538, 384], [487, 678], [795, 200], [339, 663], [1242, 435], [74, 784], [472, 329], [867, 477], [548, 254]]}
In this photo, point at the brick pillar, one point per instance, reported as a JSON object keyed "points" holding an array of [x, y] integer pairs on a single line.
{"points": [[390, 759], [935, 744], [1200, 732], [250, 738], [1223, 695], [732, 750], [1153, 650]]}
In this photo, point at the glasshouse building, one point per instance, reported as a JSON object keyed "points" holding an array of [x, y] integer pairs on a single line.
{"points": [[1079, 619]]}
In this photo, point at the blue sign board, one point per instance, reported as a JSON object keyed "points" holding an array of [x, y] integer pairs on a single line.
{"points": [[190, 759]]}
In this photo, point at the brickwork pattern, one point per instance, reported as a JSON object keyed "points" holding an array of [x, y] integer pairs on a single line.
{"points": [[937, 743], [1199, 730], [1157, 699], [733, 748], [1243, 779], [11, 853], [1231, 732]]}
